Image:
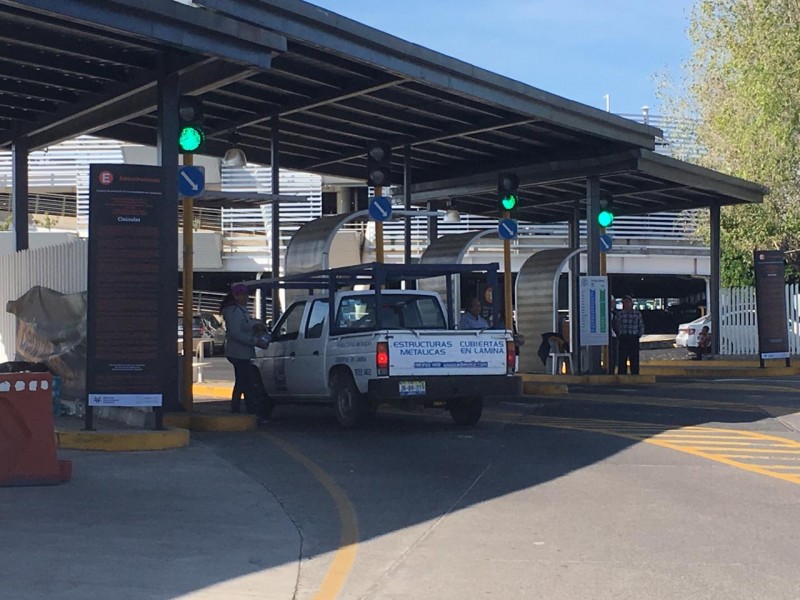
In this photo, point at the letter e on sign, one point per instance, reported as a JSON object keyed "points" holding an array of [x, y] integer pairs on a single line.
{"points": [[105, 177]]}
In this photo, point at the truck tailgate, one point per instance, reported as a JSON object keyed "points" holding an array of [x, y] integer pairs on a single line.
{"points": [[436, 352]]}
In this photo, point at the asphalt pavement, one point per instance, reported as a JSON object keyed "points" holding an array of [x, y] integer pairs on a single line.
{"points": [[147, 525], [190, 523]]}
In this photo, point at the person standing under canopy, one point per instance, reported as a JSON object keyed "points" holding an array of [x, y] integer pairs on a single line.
{"points": [[629, 327]]}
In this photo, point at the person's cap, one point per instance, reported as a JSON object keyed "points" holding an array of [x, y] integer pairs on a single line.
{"points": [[627, 297], [239, 288]]}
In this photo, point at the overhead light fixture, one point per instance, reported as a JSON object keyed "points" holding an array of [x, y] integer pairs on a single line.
{"points": [[451, 215], [235, 156]]}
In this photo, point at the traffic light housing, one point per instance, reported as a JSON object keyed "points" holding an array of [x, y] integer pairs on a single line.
{"points": [[605, 217], [507, 196], [191, 136], [379, 164]]}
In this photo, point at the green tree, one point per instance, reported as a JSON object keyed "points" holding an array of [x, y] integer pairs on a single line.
{"points": [[742, 89]]}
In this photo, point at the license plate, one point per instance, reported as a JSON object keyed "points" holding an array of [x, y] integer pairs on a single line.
{"points": [[412, 388]]}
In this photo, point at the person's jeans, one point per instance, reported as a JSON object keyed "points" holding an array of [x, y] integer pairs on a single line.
{"points": [[246, 384], [628, 349]]}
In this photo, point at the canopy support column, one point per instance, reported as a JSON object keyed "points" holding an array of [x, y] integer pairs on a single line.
{"points": [[19, 160], [714, 283], [574, 282], [593, 256], [276, 214]]}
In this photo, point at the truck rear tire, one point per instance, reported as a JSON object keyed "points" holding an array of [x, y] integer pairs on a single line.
{"points": [[348, 403], [466, 411]]}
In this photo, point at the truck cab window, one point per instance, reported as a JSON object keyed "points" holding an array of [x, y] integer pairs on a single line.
{"points": [[288, 327], [316, 320]]}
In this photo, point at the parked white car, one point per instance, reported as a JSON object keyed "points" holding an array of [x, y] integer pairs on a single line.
{"points": [[687, 332]]}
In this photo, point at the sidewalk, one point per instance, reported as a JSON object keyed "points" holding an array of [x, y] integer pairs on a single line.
{"points": [[173, 524]]}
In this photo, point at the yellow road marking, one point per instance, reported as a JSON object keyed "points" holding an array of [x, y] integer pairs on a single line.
{"points": [[656, 435], [668, 402], [345, 556], [744, 386]]}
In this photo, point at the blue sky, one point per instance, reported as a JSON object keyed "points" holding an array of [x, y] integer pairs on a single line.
{"points": [[579, 49]]}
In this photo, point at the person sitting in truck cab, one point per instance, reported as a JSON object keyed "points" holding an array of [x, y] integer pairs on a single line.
{"points": [[472, 319]]}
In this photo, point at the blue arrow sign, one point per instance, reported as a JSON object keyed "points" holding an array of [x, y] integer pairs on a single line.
{"points": [[191, 180], [605, 242], [380, 208], [507, 229]]}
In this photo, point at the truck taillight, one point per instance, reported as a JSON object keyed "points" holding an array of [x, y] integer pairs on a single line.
{"points": [[511, 356], [382, 358]]}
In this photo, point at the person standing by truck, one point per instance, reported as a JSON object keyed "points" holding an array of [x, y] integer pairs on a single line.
{"points": [[242, 335], [629, 327]]}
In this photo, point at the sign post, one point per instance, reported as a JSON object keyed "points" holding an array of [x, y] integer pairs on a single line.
{"points": [[191, 183]]}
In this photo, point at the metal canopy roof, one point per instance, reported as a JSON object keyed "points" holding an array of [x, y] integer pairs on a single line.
{"points": [[640, 181], [91, 66]]}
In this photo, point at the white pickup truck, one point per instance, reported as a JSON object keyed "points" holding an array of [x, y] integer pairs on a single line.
{"points": [[393, 346]]}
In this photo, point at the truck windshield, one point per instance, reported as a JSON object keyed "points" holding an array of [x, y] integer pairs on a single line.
{"points": [[406, 311]]}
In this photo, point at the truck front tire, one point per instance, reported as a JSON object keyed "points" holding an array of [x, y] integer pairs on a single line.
{"points": [[348, 403], [466, 411]]}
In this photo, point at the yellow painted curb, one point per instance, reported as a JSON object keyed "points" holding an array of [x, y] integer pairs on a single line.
{"points": [[201, 390], [544, 389], [588, 379], [718, 371], [123, 441], [207, 422]]}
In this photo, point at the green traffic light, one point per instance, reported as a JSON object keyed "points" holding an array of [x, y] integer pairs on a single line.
{"points": [[191, 138], [509, 202], [605, 218]]}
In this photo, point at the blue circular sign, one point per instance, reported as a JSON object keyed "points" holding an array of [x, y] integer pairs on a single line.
{"points": [[380, 208], [507, 229]]}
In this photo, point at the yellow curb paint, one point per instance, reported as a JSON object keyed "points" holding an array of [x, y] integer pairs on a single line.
{"points": [[201, 390], [123, 441], [198, 421], [345, 556], [544, 389]]}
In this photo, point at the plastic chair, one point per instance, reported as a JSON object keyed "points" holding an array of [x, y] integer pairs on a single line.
{"points": [[558, 356]]}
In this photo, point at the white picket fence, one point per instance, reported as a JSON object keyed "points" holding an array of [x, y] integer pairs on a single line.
{"points": [[61, 268], [738, 328]]}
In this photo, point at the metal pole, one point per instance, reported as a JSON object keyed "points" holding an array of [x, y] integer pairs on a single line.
{"points": [[276, 214], [714, 280], [507, 308], [168, 153], [574, 282], [20, 205], [407, 202], [433, 225], [378, 231], [603, 349], [593, 253], [188, 292]]}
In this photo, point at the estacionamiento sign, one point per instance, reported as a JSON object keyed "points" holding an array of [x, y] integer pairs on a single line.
{"points": [[131, 336]]}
